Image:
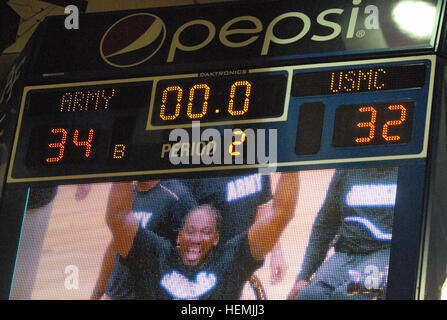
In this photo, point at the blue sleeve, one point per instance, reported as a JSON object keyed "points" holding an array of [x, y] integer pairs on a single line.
{"points": [[181, 204], [172, 202], [266, 195], [238, 253], [324, 229], [145, 250]]}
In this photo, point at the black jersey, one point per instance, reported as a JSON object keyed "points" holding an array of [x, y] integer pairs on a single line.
{"points": [[161, 210], [236, 197], [357, 215], [161, 274], [40, 197]]}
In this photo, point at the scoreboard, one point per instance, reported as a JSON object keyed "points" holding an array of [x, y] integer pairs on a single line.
{"points": [[89, 128], [338, 96]]}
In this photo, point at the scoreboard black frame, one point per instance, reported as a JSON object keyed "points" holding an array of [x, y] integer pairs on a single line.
{"points": [[368, 110]]}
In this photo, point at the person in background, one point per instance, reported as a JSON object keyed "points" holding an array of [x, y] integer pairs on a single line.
{"points": [[356, 218]]}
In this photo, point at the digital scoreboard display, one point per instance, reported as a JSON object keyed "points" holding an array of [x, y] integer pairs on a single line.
{"points": [[169, 152], [110, 127]]}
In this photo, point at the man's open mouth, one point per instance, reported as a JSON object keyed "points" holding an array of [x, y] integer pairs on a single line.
{"points": [[193, 254]]}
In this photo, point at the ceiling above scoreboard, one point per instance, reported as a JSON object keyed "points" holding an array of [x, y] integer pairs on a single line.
{"points": [[157, 40]]}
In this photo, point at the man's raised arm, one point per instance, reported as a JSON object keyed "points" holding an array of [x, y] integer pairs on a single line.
{"points": [[122, 223], [265, 232]]}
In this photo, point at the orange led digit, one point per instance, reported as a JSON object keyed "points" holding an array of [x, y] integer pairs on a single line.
{"points": [[219, 97], [403, 117], [177, 106], [370, 124], [246, 100], [206, 96], [60, 145], [87, 144]]}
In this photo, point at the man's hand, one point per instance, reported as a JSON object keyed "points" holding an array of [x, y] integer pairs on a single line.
{"points": [[299, 285], [145, 186], [82, 191], [278, 265], [96, 295]]}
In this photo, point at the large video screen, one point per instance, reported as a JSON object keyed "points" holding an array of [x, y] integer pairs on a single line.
{"points": [[304, 235]]}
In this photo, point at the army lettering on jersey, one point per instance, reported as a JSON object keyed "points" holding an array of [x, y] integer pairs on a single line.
{"points": [[143, 217], [372, 195], [243, 187], [236, 197]]}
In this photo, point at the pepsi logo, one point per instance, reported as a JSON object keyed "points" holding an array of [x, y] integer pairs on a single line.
{"points": [[133, 40]]}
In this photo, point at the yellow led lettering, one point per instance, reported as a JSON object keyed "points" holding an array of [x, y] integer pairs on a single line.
{"points": [[403, 117], [107, 98], [242, 136], [247, 86], [364, 78], [77, 102], [97, 93], [164, 98], [370, 125], [66, 102], [350, 78], [357, 80], [206, 95], [80, 100], [91, 97], [119, 151], [340, 78], [60, 145], [377, 84]]}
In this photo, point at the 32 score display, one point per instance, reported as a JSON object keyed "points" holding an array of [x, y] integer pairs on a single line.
{"points": [[373, 124]]}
